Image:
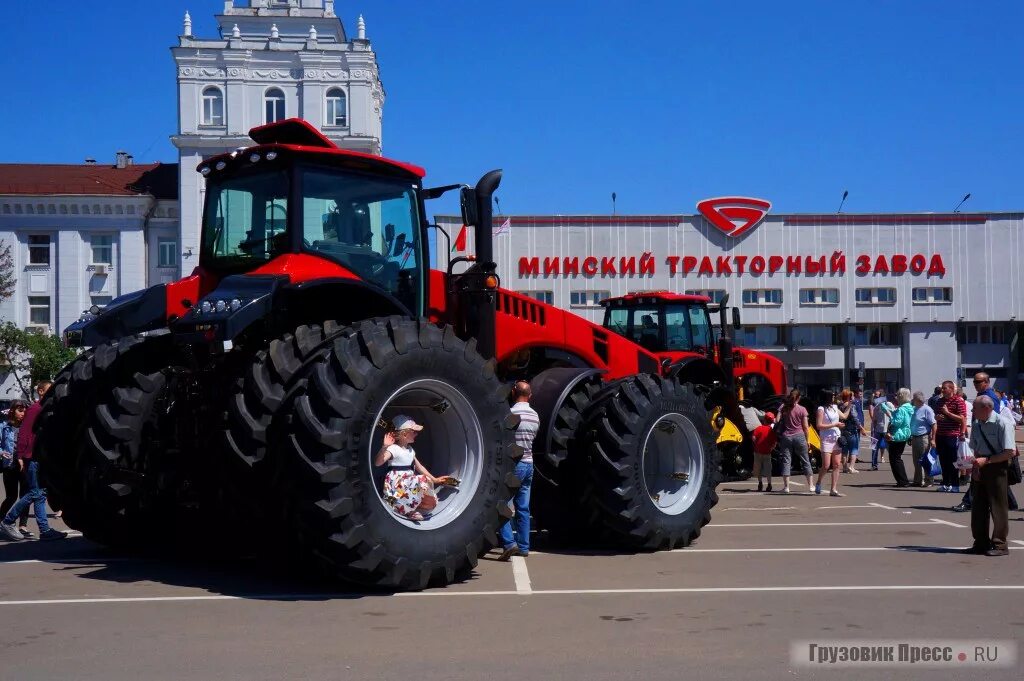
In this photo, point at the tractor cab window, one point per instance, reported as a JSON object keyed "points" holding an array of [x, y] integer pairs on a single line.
{"points": [[370, 225], [645, 327], [700, 326], [677, 326], [617, 320], [246, 219]]}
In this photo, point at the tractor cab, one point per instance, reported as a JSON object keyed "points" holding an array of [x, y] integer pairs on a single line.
{"points": [[663, 322]]}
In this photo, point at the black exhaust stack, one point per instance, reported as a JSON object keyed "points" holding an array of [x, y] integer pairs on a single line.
{"points": [[476, 285]]}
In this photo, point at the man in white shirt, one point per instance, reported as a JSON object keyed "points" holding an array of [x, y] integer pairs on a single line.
{"points": [[518, 543]]}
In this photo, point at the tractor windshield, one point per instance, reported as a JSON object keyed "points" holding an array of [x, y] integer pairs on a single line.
{"points": [[661, 327], [367, 223], [688, 327]]}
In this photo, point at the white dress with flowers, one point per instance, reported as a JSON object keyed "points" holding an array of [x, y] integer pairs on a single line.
{"points": [[404, 489]]}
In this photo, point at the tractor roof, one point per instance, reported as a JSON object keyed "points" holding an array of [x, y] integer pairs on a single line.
{"points": [[653, 297], [299, 137]]}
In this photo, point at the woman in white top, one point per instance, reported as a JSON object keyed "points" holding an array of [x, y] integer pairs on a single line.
{"points": [[408, 486], [829, 424]]}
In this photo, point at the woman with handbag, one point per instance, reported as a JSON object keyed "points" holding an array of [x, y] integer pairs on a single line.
{"points": [[829, 424], [899, 434]]}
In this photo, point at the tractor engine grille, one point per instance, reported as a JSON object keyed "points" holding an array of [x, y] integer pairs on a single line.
{"points": [[522, 307]]}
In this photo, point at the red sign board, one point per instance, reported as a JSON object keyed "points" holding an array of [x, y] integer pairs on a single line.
{"points": [[734, 215]]}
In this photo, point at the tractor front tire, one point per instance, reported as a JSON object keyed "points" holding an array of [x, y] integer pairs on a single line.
{"points": [[654, 464], [337, 513]]}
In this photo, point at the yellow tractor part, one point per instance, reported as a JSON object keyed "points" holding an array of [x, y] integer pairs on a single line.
{"points": [[813, 441], [726, 429]]}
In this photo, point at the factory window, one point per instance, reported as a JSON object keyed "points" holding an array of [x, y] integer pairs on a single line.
{"points": [[102, 249], [273, 105], [101, 301], [981, 333], [876, 334], [875, 296], [213, 106], [762, 296], [587, 298], [337, 108], [39, 310], [39, 249], [819, 296], [760, 336], [543, 296], [815, 334], [938, 295], [715, 294]]}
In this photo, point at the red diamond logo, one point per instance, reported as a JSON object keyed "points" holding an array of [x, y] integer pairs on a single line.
{"points": [[734, 215]]}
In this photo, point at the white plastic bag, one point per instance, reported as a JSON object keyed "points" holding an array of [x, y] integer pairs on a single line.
{"points": [[964, 456]]}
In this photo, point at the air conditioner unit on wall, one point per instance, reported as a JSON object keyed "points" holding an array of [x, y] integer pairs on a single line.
{"points": [[100, 268], [38, 329]]}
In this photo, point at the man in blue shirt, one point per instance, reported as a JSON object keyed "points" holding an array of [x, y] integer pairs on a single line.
{"points": [[922, 437]]}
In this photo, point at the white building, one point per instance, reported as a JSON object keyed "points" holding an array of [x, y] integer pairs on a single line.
{"points": [[273, 60], [83, 234], [913, 298]]}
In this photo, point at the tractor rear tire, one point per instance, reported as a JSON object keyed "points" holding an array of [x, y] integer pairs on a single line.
{"points": [[63, 421], [654, 464], [337, 513], [557, 489]]}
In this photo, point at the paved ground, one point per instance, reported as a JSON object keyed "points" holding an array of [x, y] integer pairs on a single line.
{"points": [[770, 570]]}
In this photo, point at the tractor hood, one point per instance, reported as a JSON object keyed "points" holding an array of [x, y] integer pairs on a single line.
{"points": [[132, 313]]}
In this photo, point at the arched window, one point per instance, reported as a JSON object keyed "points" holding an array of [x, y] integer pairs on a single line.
{"points": [[213, 106], [337, 108], [273, 105]]}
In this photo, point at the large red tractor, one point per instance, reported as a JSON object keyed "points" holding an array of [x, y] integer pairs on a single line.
{"points": [[264, 381]]}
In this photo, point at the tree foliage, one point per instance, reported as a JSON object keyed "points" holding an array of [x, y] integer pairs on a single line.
{"points": [[32, 357], [8, 278]]}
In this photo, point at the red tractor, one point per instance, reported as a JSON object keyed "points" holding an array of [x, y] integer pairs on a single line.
{"points": [[677, 328], [265, 380]]}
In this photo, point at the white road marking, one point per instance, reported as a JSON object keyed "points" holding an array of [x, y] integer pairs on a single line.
{"points": [[548, 592], [1017, 541], [946, 522], [821, 508], [521, 575], [714, 525], [767, 508], [887, 508]]}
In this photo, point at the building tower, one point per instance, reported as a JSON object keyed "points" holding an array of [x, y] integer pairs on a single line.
{"points": [[274, 59]]}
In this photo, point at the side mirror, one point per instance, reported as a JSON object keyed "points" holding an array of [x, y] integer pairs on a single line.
{"points": [[736, 319], [389, 232], [467, 199]]}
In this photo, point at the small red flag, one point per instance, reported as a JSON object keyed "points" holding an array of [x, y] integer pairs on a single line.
{"points": [[460, 240]]}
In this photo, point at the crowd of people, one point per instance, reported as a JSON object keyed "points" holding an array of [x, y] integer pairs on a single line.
{"points": [[950, 441], [22, 486]]}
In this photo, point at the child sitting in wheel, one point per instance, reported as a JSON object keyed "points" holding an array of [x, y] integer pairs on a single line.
{"points": [[408, 486]]}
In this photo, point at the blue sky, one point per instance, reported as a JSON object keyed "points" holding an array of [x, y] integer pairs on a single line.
{"points": [[908, 105]]}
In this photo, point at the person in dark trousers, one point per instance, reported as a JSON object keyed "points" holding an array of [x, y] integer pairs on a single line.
{"points": [[518, 543], [36, 495], [13, 472], [983, 384], [898, 435], [993, 444], [951, 424]]}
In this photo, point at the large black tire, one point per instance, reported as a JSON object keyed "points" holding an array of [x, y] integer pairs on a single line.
{"points": [[259, 387], [560, 483], [62, 424], [623, 461], [336, 512]]}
